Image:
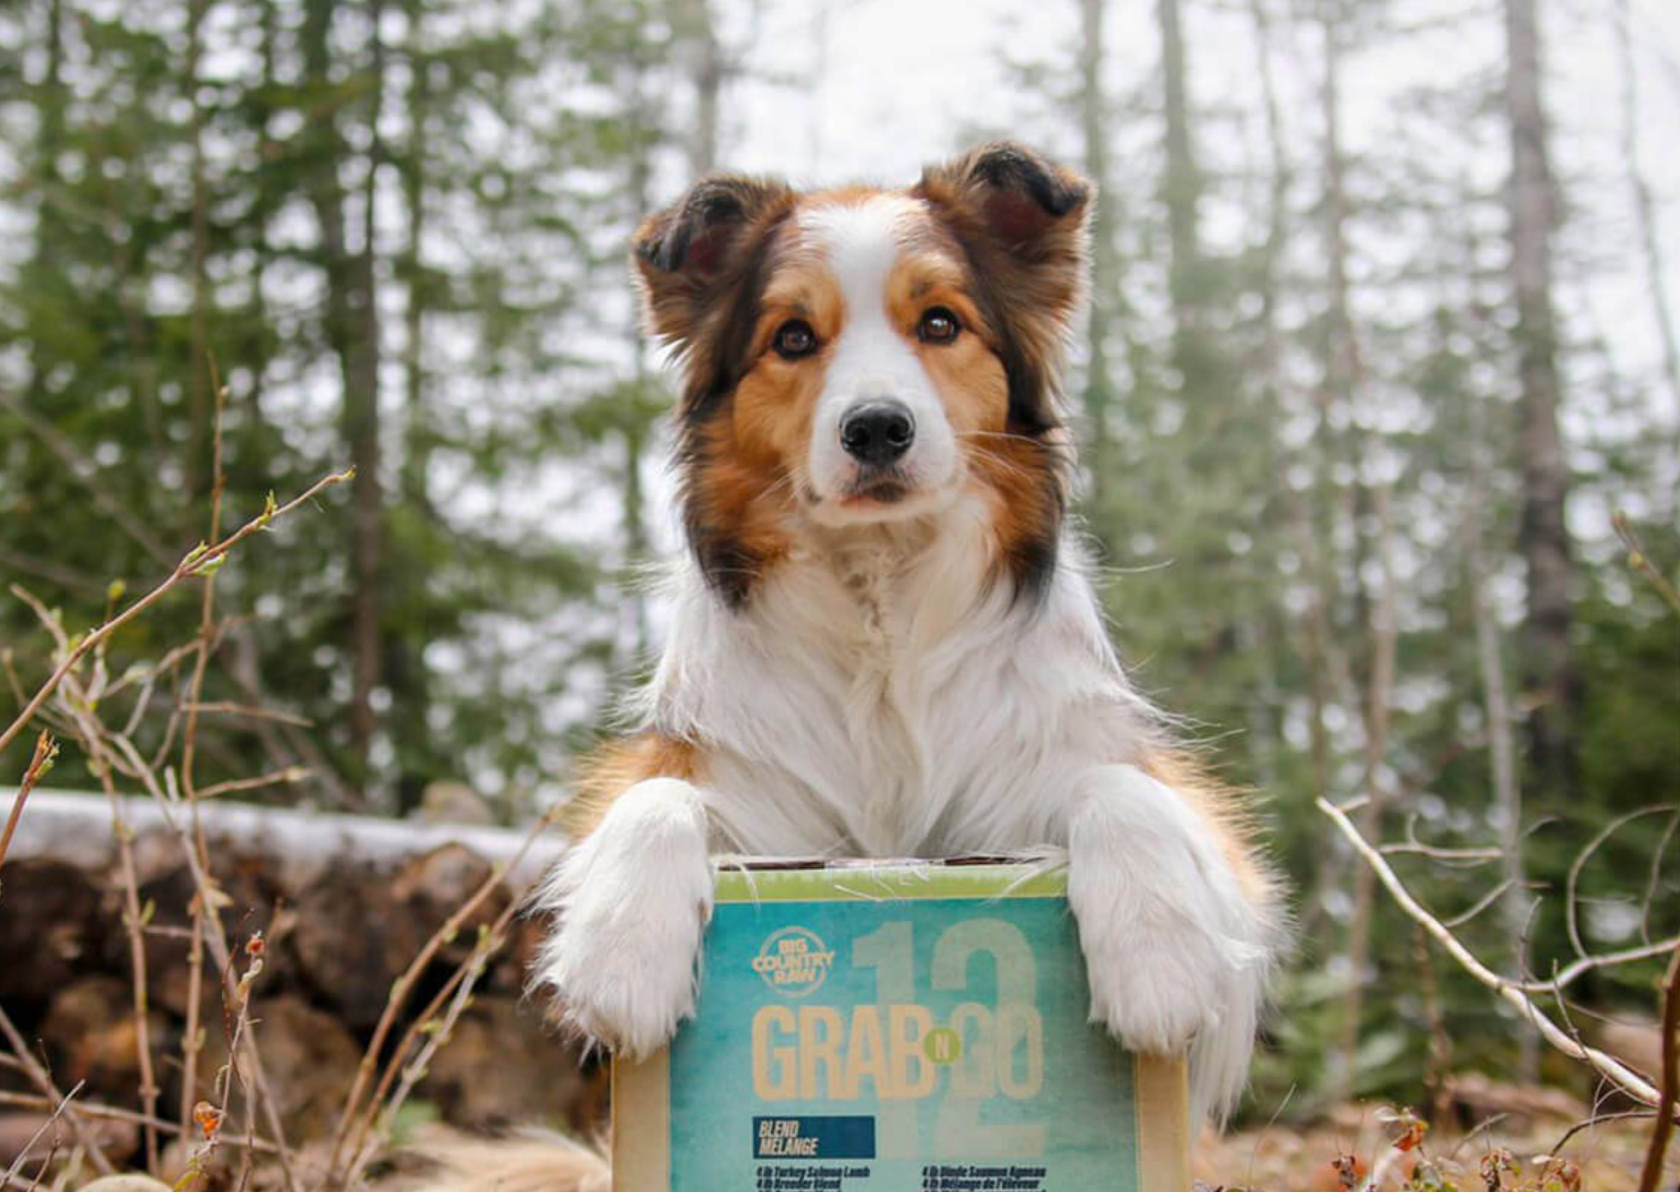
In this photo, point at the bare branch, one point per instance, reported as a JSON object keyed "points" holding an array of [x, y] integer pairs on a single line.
{"points": [[1651, 1176], [1585, 855], [52, 1120], [1600, 960], [286, 777], [92, 1109], [39, 1077], [358, 1115], [250, 712], [196, 563], [1482, 903], [1512, 992], [45, 750]]}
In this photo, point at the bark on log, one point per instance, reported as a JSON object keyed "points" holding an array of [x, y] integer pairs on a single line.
{"points": [[473, 1085], [89, 1035], [308, 1055], [353, 938], [68, 926]]}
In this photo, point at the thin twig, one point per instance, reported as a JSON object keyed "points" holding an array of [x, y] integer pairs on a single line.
{"points": [[209, 1117], [1641, 562], [437, 1031], [250, 712], [52, 1120], [45, 750], [1597, 1120], [1600, 960], [94, 1109], [1654, 877], [133, 925], [207, 890], [1663, 1127], [202, 915], [286, 777], [1482, 903], [354, 1120], [1571, 916], [89, 728], [39, 1077], [196, 563], [1608, 1066]]}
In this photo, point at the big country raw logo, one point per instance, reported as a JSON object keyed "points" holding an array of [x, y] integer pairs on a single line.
{"points": [[793, 962]]}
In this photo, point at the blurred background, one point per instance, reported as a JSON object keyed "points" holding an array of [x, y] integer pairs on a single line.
{"points": [[1382, 336]]}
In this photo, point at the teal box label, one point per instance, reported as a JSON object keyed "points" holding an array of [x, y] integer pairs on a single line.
{"points": [[897, 1027]]}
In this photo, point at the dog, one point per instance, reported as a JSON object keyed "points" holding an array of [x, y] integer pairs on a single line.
{"points": [[884, 638]]}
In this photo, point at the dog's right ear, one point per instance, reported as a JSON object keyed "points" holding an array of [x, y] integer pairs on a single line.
{"points": [[694, 252]]}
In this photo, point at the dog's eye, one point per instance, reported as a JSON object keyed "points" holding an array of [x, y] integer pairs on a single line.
{"points": [[795, 339], [938, 326]]}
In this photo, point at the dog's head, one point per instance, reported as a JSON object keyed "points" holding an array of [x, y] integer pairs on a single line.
{"points": [[865, 356]]}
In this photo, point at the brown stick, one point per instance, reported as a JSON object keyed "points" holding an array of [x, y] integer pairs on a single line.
{"points": [[203, 917], [52, 1120], [132, 926], [88, 727], [205, 887], [40, 1079], [353, 1120], [457, 993], [45, 750], [196, 563], [286, 777], [94, 1109], [1663, 1127]]}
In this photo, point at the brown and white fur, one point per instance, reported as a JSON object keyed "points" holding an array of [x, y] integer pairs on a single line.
{"points": [[904, 656]]}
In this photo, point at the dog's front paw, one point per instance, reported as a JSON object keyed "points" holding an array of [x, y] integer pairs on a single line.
{"points": [[632, 902], [1155, 987], [1170, 942]]}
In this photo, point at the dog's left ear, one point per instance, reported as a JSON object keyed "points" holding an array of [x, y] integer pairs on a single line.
{"points": [[1023, 203], [1022, 221]]}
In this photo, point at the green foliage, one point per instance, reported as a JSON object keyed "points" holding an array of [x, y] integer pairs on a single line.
{"points": [[193, 190]]}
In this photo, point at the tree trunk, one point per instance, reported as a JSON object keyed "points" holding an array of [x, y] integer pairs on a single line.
{"points": [[417, 439], [1105, 280], [1644, 212], [200, 400], [1343, 373], [1549, 679], [1515, 904], [1181, 189], [353, 329], [706, 72]]}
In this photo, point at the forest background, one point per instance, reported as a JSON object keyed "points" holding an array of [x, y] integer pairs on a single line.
{"points": [[1382, 337]]}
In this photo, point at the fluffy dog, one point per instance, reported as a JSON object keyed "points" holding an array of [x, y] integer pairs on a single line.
{"points": [[884, 639]]}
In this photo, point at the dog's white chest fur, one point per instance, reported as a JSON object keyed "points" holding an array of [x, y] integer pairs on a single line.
{"points": [[882, 698]]}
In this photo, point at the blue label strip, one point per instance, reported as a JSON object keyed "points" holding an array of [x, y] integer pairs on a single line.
{"points": [[793, 1138]]}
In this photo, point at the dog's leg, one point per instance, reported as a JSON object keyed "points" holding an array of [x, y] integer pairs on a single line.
{"points": [[1177, 944], [632, 899]]}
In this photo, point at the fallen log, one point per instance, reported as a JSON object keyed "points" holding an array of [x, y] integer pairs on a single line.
{"points": [[75, 827], [344, 904]]}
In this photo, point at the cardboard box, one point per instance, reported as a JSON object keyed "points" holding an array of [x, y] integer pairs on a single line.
{"points": [[897, 1027]]}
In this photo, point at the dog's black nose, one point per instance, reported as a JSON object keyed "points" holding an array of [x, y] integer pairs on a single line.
{"points": [[877, 432]]}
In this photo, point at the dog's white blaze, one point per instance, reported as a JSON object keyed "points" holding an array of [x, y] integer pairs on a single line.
{"points": [[872, 359]]}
